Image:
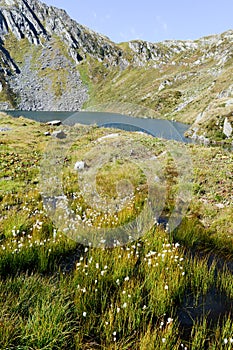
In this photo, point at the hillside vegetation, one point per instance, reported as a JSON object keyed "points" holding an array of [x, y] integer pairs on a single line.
{"points": [[50, 62], [59, 294]]}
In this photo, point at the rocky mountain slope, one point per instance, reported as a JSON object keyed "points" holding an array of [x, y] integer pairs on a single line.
{"points": [[50, 62]]}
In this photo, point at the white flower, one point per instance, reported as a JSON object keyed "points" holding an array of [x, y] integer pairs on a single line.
{"points": [[124, 305], [166, 287], [225, 341], [163, 340], [127, 278], [84, 314]]}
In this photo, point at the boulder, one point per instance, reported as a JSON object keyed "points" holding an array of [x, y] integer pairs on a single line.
{"points": [[54, 123], [80, 165], [59, 134], [227, 128]]}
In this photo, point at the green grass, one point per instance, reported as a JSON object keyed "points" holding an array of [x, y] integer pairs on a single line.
{"points": [[58, 294]]}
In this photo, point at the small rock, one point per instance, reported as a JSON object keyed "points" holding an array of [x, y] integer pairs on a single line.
{"points": [[54, 123], [59, 134], [220, 205], [5, 129], [80, 165], [164, 84], [227, 128]]}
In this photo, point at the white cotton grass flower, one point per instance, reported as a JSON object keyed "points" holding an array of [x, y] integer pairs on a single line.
{"points": [[84, 314]]}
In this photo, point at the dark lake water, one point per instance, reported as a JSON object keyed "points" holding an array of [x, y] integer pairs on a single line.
{"points": [[156, 127]]}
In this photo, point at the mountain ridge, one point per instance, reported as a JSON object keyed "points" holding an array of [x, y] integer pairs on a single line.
{"points": [[50, 62]]}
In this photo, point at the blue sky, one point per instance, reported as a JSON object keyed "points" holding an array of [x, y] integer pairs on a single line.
{"points": [[152, 20]]}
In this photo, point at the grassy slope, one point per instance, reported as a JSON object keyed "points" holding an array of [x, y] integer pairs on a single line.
{"points": [[140, 87], [114, 299]]}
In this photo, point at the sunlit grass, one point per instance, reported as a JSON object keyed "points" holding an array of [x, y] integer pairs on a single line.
{"points": [[58, 294]]}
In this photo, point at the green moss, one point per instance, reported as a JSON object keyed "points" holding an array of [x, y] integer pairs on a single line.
{"points": [[84, 72], [18, 49], [7, 95]]}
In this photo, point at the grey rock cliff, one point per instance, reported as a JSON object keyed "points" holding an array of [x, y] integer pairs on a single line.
{"points": [[40, 24]]}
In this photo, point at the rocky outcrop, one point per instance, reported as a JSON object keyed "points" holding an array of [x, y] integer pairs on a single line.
{"points": [[7, 65], [53, 90], [159, 54], [40, 24]]}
